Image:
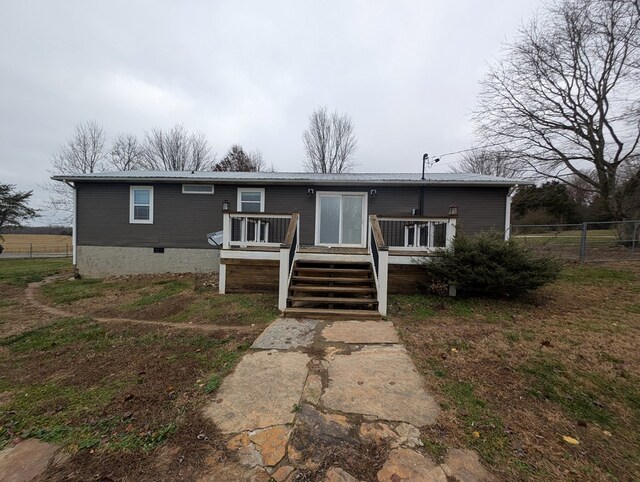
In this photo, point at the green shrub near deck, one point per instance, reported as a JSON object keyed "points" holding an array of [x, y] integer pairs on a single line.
{"points": [[486, 265]]}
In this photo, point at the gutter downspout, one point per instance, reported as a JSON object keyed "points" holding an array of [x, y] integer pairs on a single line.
{"points": [[507, 212]]}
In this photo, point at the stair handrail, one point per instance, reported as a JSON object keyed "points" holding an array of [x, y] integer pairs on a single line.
{"points": [[288, 251], [380, 259]]}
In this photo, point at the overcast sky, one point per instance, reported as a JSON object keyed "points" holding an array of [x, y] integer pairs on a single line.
{"points": [[247, 72]]}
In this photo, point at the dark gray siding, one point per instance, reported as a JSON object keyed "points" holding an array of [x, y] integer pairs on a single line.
{"points": [[479, 208], [179, 221], [182, 220]]}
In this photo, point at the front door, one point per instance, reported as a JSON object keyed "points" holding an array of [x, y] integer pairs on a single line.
{"points": [[341, 219]]}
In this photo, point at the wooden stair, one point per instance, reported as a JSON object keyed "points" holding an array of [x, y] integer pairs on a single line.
{"points": [[332, 290]]}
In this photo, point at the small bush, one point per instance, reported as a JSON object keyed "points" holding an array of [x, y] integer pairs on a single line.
{"points": [[486, 265]]}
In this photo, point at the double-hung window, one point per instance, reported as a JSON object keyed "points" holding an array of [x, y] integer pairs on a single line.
{"points": [[141, 205], [250, 200]]}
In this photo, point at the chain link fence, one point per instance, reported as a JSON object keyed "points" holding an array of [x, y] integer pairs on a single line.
{"points": [[606, 241]]}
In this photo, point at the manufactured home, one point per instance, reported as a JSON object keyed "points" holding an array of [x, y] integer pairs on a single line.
{"points": [[332, 242]]}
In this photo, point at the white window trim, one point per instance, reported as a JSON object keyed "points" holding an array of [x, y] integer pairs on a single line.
{"points": [[131, 205], [251, 189], [365, 217], [198, 192]]}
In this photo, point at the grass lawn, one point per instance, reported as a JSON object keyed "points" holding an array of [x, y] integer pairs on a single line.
{"points": [[171, 298], [124, 399], [21, 272], [515, 376]]}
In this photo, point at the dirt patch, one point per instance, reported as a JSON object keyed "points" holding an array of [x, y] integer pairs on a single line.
{"points": [[10, 291], [362, 460], [182, 458], [17, 315]]}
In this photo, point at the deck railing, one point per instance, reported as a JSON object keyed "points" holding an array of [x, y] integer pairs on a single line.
{"points": [[254, 229], [288, 250], [417, 233]]}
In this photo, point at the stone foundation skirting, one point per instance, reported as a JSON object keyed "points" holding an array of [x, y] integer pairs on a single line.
{"points": [[100, 261]]}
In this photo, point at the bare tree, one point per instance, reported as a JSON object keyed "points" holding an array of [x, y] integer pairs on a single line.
{"points": [[491, 163], [176, 150], [565, 96], [82, 153], [240, 161], [126, 153], [329, 142]]}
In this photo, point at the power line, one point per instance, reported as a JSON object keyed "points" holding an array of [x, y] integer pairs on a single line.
{"points": [[468, 150]]}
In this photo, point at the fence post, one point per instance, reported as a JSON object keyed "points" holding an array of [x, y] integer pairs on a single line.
{"points": [[30, 250], [583, 243]]}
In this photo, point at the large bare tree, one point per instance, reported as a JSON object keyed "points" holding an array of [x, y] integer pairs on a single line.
{"points": [[84, 152], [329, 142], [565, 97], [126, 153], [491, 163], [176, 150], [238, 160]]}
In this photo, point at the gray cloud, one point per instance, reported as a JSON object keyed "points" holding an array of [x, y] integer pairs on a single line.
{"points": [[250, 72]]}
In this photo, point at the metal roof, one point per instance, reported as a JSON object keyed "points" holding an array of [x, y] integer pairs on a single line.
{"points": [[448, 178]]}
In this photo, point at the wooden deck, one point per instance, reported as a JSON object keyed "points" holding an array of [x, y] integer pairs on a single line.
{"points": [[332, 250]]}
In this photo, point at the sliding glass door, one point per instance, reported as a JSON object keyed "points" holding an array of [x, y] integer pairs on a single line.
{"points": [[340, 219]]}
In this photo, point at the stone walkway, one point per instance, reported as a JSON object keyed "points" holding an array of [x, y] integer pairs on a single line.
{"points": [[27, 460], [335, 401]]}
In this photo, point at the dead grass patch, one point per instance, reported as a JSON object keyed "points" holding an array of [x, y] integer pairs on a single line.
{"points": [[514, 377]]}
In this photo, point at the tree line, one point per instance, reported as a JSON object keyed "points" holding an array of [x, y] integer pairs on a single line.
{"points": [[174, 149], [329, 143]]}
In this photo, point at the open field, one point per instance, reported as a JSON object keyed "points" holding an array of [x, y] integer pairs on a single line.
{"points": [[515, 376], [124, 399], [36, 243], [601, 245], [571, 237]]}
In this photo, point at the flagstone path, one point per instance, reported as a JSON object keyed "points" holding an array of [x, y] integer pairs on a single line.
{"points": [[338, 400]]}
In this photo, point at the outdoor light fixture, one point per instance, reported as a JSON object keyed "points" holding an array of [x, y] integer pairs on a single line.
{"points": [[310, 192], [373, 192], [453, 211], [225, 205]]}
